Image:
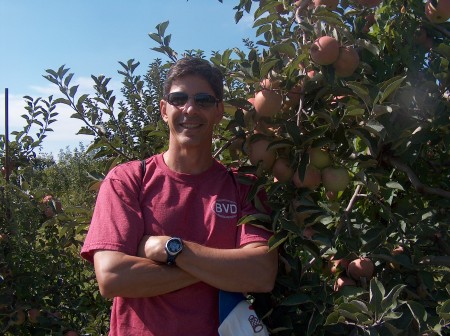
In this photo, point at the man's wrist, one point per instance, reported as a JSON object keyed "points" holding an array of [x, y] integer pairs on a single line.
{"points": [[173, 247]]}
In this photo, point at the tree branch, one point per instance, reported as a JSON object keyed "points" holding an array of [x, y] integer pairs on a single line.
{"points": [[436, 261], [418, 185], [344, 217]]}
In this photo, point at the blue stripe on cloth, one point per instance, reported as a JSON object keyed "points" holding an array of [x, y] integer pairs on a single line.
{"points": [[227, 301]]}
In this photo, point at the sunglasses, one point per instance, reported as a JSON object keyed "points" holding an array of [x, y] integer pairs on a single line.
{"points": [[202, 100]]}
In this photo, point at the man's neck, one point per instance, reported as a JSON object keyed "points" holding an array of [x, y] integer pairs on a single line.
{"points": [[188, 162]]}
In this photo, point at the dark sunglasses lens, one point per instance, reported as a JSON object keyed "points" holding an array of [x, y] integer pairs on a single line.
{"points": [[205, 100], [177, 98]]}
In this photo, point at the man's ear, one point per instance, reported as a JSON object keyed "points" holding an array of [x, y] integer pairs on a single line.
{"points": [[162, 108]]}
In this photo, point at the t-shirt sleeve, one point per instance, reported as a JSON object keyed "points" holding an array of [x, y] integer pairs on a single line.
{"points": [[117, 222]]}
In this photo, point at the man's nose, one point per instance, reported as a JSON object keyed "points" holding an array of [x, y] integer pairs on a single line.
{"points": [[190, 105]]}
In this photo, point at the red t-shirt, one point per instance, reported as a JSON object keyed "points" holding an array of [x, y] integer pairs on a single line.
{"points": [[201, 208]]}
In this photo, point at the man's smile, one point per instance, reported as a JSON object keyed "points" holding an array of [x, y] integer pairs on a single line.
{"points": [[191, 124]]}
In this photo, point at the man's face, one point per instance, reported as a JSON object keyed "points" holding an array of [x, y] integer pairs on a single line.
{"points": [[191, 124]]}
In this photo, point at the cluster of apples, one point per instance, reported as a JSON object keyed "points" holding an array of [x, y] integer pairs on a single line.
{"points": [[268, 102], [326, 51], [319, 170], [351, 273]]}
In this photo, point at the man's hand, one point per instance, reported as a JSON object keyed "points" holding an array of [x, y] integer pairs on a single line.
{"points": [[153, 248], [250, 268]]}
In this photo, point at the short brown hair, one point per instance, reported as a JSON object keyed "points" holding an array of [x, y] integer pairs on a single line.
{"points": [[197, 67]]}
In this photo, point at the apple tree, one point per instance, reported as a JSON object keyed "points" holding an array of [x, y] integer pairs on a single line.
{"points": [[341, 109], [343, 113]]}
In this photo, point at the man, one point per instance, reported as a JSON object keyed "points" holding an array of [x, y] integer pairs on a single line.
{"points": [[164, 244]]}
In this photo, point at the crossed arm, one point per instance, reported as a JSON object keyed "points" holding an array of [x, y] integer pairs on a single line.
{"points": [[248, 269]]}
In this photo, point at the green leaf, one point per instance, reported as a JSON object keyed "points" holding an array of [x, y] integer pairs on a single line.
{"points": [[418, 311], [277, 239], [85, 130], [444, 310], [263, 29], [376, 296], [394, 185], [73, 91], [238, 16], [294, 132], [316, 320], [355, 111], [334, 318], [286, 48], [388, 87], [317, 132], [390, 301], [328, 17], [281, 144], [267, 66], [296, 299], [162, 27], [361, 91], [355, 306], [82, 99], [68, 79], [373, 238], [155, 37], [443, 49], [348, 315], [167, 40], [370, 140], [77, 116], [258, 217]]}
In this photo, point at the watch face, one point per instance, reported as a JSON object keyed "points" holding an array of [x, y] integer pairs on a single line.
{"points": [[174, 245]]}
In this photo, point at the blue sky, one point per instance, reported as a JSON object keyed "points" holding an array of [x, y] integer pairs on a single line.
{"points": [[91, 37]]}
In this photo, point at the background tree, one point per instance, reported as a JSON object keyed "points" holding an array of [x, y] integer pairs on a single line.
{"points": [[45, 287]]}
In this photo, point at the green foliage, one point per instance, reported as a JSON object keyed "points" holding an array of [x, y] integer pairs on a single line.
{"points": [[387, 124], [42, 229], [130, 129]]}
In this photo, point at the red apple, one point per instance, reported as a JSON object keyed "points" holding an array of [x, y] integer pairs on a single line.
{"points": [[338, 265], [343, 281], [282, 169], [308, 232], [3, 237], [311, 180], [258, 152], [361, 268], [347, 62], [267, 103], [33, 315], [324, 50], [335, 178], [18, 317], [319, 158], [71, 333]]}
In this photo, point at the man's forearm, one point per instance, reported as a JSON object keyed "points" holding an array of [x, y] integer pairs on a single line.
{"points": [[122, 275], [248, 269]]}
